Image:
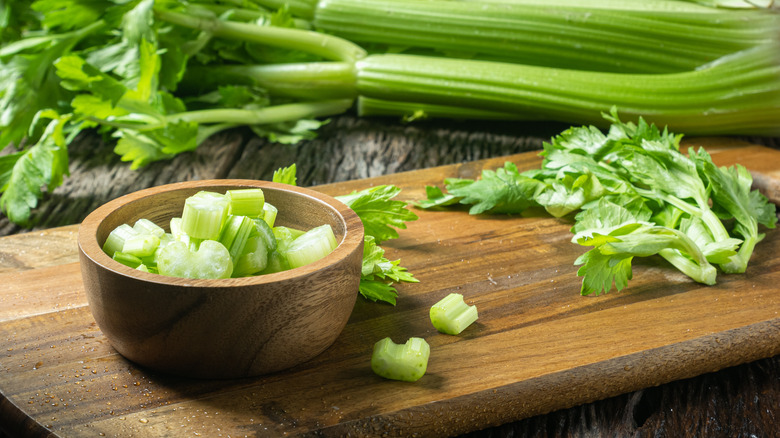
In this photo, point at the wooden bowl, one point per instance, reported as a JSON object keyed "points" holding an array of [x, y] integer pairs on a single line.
{"points": [[225, 328]]}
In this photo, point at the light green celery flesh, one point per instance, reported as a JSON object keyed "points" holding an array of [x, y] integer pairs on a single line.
{"points": [[269, 214], [737, 95], [263, 230], [235, 233], [203, 215], [452, 315], [253, 259], [246, 202], [311, 246], [738, 263], [572, 36], [142, 245], [145, 226], [117, 237], [406, 362], [705, 274], [127, 259]]}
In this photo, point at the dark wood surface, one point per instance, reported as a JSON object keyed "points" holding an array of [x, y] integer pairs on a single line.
{"points": [[737, 401]]}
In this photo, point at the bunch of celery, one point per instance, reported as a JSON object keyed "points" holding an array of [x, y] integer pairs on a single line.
{"points": [[160, 76], [633, 193]]}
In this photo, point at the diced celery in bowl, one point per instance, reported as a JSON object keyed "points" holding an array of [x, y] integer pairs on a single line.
{"points": [[219, 236]]}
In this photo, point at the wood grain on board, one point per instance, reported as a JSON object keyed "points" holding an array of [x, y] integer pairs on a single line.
{"points": [[538, 346]]}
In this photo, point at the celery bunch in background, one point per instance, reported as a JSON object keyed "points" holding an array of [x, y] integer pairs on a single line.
{"points": [[158, 77], [632, 193]]}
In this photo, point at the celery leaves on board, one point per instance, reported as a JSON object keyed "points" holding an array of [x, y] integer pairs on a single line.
{"points": [[630, 192], [379, 213]]}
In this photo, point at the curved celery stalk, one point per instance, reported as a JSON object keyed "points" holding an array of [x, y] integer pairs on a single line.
{"points": [[235, 233], [254, 258], [311, 246], [407, 362]]}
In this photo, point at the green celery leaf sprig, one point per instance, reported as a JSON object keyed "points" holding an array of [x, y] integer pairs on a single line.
{"points": [[632, 193], [381, 215]]}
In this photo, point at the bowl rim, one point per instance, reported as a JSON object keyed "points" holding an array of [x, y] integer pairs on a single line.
{"points": [[89, 247]]}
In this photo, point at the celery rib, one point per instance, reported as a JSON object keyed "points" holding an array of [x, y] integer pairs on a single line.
{"points": [[320, 44], [557, 35], [718, 99]]}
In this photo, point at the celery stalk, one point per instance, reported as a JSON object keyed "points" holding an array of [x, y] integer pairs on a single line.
{"points": [[739, 94], [585, 35], [145, 226], [407, 362], [269, 214], [203, 215], [311, 246], [246, 202], [141, 245], [451, 315], [266, 233], [117, 237], [235, 233], [253, 259], [127, 259]]}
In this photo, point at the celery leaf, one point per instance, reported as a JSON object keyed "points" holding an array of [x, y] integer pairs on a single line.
{"points": [[503, 190], [379, 212], [42, 165]]}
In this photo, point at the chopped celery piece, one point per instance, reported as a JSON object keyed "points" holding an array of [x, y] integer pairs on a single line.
{"points": [[204, 214], [116, 238], [284, 237], [235, 233], [143, 268], [276, 263], [265, 231], [407, 362], [176, 230], [141, 245], [269, 214], [145, 226], [211, 260], [311, 246], [253, 259], [127, 259], [246, 202], [452, 315]]}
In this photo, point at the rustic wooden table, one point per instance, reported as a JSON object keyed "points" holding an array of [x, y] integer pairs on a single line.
{"points": [[743, 400]]}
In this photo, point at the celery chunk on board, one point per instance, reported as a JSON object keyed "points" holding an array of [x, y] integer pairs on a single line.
{"points": [[406, 362], [452, 315]]}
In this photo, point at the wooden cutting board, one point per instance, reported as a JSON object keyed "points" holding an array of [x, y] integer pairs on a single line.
{"points": [[538, 345]]}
